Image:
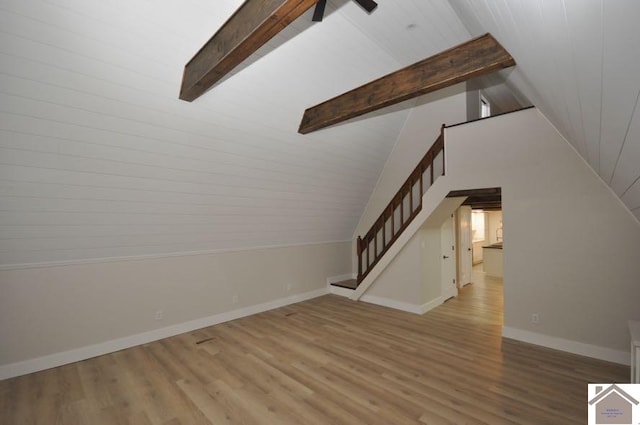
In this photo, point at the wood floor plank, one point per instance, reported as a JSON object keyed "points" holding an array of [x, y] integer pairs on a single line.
{"points": [[324, 361], [215, 411]]}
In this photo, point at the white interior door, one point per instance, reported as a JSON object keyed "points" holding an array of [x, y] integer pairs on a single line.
{"points": [[465, 248], [448, 262]]}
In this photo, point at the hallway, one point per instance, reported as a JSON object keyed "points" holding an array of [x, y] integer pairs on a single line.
{"points": [[480, 302]]}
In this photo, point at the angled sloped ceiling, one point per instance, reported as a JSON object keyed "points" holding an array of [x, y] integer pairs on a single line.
{"points": [[99, 158], [579, 63]]}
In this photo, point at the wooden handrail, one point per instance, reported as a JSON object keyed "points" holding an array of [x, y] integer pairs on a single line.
{"points": [[364, 247]]}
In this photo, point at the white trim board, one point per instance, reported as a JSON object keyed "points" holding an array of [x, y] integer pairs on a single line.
{"points": [[399, 305], [428, 306], [142, 257], [58, 359], [574, 347]]}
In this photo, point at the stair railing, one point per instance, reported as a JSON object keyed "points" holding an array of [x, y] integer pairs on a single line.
{"points": [[402, 209]]}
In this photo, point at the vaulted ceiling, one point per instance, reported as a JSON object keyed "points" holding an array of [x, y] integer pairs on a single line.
{"points": [[579, 63], [99, 158]]}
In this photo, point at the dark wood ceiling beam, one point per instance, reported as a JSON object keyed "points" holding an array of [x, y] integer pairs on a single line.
{"points": [[248, 29], [487, 191], [489, 198], [483, 204], [482, 199], [476, 57], [486, 207]]}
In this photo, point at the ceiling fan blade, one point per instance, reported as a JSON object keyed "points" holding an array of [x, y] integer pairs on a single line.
{"points": [[367, 5], [318, 13]]}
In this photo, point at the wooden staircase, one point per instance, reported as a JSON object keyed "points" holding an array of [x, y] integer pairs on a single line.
{"points": [[401, 210]]}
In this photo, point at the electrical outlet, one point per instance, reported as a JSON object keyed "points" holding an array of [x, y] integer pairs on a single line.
{"points": [[288, 287], [159, 315], [234, 299], [535, 318]]}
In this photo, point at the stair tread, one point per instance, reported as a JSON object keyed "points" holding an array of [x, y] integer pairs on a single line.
{"points": [[349, 284]]}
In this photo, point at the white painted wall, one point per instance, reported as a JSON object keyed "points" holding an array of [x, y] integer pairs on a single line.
{"points": [[413, 279], [402, 280], [420, 131], [431, 263], [45, 311], [572, 246]]}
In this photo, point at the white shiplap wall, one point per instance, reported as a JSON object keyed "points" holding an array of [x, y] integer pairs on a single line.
{"points": [[98, 157], [579, 63]]}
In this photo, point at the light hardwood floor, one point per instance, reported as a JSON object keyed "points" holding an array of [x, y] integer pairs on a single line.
{"points": [[324, 361]]}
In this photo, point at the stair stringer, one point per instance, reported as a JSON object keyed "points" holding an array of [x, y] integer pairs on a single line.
{"points": [[436, 207]]}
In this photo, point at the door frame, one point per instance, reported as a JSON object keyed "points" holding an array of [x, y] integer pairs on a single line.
{"points": [[464, 245], [448, 262]]}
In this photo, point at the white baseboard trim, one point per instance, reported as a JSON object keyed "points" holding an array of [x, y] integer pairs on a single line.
{"points": [[58, 359], [574, 347], [386, 302], [399, 305], [428, 306]]}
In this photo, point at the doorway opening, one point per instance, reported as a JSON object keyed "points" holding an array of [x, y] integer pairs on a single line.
{"points": [[480, 238], [485, 107], [478, 234]]}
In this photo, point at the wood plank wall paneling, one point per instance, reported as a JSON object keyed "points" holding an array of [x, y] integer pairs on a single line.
{"points": [[99, 159], [410, 30], [88, 113], [327, 360]]}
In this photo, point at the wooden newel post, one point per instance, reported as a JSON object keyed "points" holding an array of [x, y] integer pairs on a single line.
{"points": [[359, 251]]}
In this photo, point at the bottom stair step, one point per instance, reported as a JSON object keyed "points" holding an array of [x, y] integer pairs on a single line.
{"points": [[349, 284]]}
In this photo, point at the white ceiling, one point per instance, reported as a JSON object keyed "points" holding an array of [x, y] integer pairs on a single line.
{"points": [[99, 158]]}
